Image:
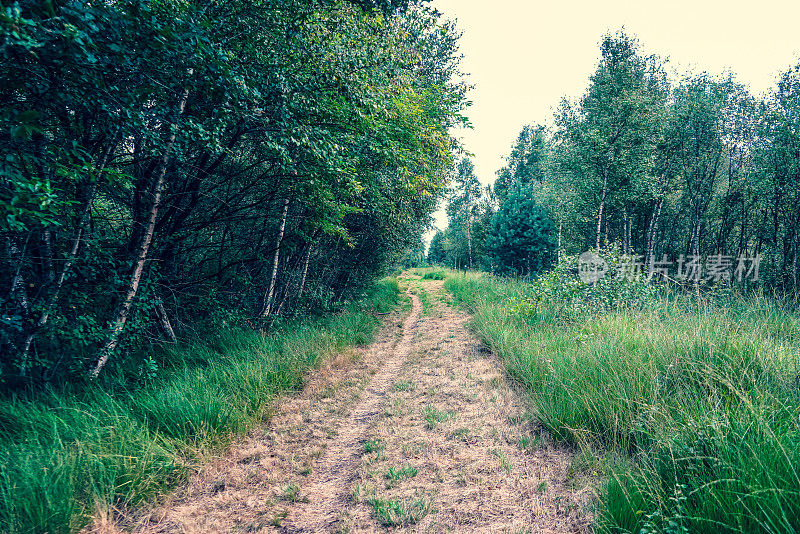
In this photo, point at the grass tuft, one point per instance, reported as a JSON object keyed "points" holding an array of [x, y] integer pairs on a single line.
{"points": [[399, 474], [373, 445], [433, 417], [398, 513], [434, 275]]}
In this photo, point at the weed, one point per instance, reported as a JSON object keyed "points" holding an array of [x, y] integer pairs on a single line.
{"points": [[461, 434], [530, 443], [373, 445], [397, 513], [278, 517], [519, 419], [425, 300], [291, 493], [461, 477], [404, 385], [433, 417], [400, 474], [505, 463]]}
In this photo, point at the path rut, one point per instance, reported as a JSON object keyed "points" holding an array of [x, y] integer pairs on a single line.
{"points": [[328, 490]]}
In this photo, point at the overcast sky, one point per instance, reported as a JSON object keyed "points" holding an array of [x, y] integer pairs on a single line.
{"points": [[524, 56]]}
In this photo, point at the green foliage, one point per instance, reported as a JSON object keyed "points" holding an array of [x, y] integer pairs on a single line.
{"points": [[561, 293], [526, 163], [434, 275], [398, 474], [397, 513], [434, 416], [414, 257], [169, 166], [64, 453], [469, 209], [373, 445], [437, 255], [694, 404], [520, 240]]}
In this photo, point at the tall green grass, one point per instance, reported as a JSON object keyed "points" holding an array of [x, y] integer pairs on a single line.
{"points": [[64, 455], [696, 406]]}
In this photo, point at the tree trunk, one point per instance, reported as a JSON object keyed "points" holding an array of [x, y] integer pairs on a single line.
{"points": [[629, 234], [469, 242], [73, 253], [163, 319], [121, 316], [305, 272], [794, 267], [601, 209], [270, 293], [625, 243], [18, 291], [696, 254], [47, 239], [558, 250], [652, 229]]}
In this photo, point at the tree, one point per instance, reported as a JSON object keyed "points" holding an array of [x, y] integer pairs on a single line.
{"points": [[520, 240], [228, 159], [612, 133], [463, 204], [776, 193], [437, 255], [526, 162]]}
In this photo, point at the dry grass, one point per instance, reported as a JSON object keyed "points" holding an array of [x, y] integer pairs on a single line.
{"points": [[356, 445], [462, 429]]}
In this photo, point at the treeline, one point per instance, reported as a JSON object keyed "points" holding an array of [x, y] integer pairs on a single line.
{"points": [[176, 166], [665, 171]]}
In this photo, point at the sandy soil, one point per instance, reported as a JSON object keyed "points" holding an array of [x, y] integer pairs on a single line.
{"points": [[419, 432]]}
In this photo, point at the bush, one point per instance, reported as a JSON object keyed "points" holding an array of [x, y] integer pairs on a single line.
{"points": [[434, 275], [562, 292]]}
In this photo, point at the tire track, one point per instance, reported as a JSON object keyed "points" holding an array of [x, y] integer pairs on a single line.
{"points": [[328, 490]]}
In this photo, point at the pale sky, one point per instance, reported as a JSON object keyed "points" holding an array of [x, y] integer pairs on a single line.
{"points": [[524, 56]]}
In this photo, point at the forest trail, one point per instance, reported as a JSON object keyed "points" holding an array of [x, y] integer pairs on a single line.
{"points": [[419, 432]]}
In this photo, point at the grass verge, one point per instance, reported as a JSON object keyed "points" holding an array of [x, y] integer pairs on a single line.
{"points": [[694, 407], [65, 456]]}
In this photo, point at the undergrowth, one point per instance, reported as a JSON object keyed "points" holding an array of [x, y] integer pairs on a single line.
{"points": [[430, 273], [694, 405], [65, 455]]}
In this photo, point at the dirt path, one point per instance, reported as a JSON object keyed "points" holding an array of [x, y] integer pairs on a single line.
{"points": [[418, 432]]}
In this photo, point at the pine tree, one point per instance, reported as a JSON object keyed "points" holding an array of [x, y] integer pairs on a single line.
{"points": [[520, 241]]}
